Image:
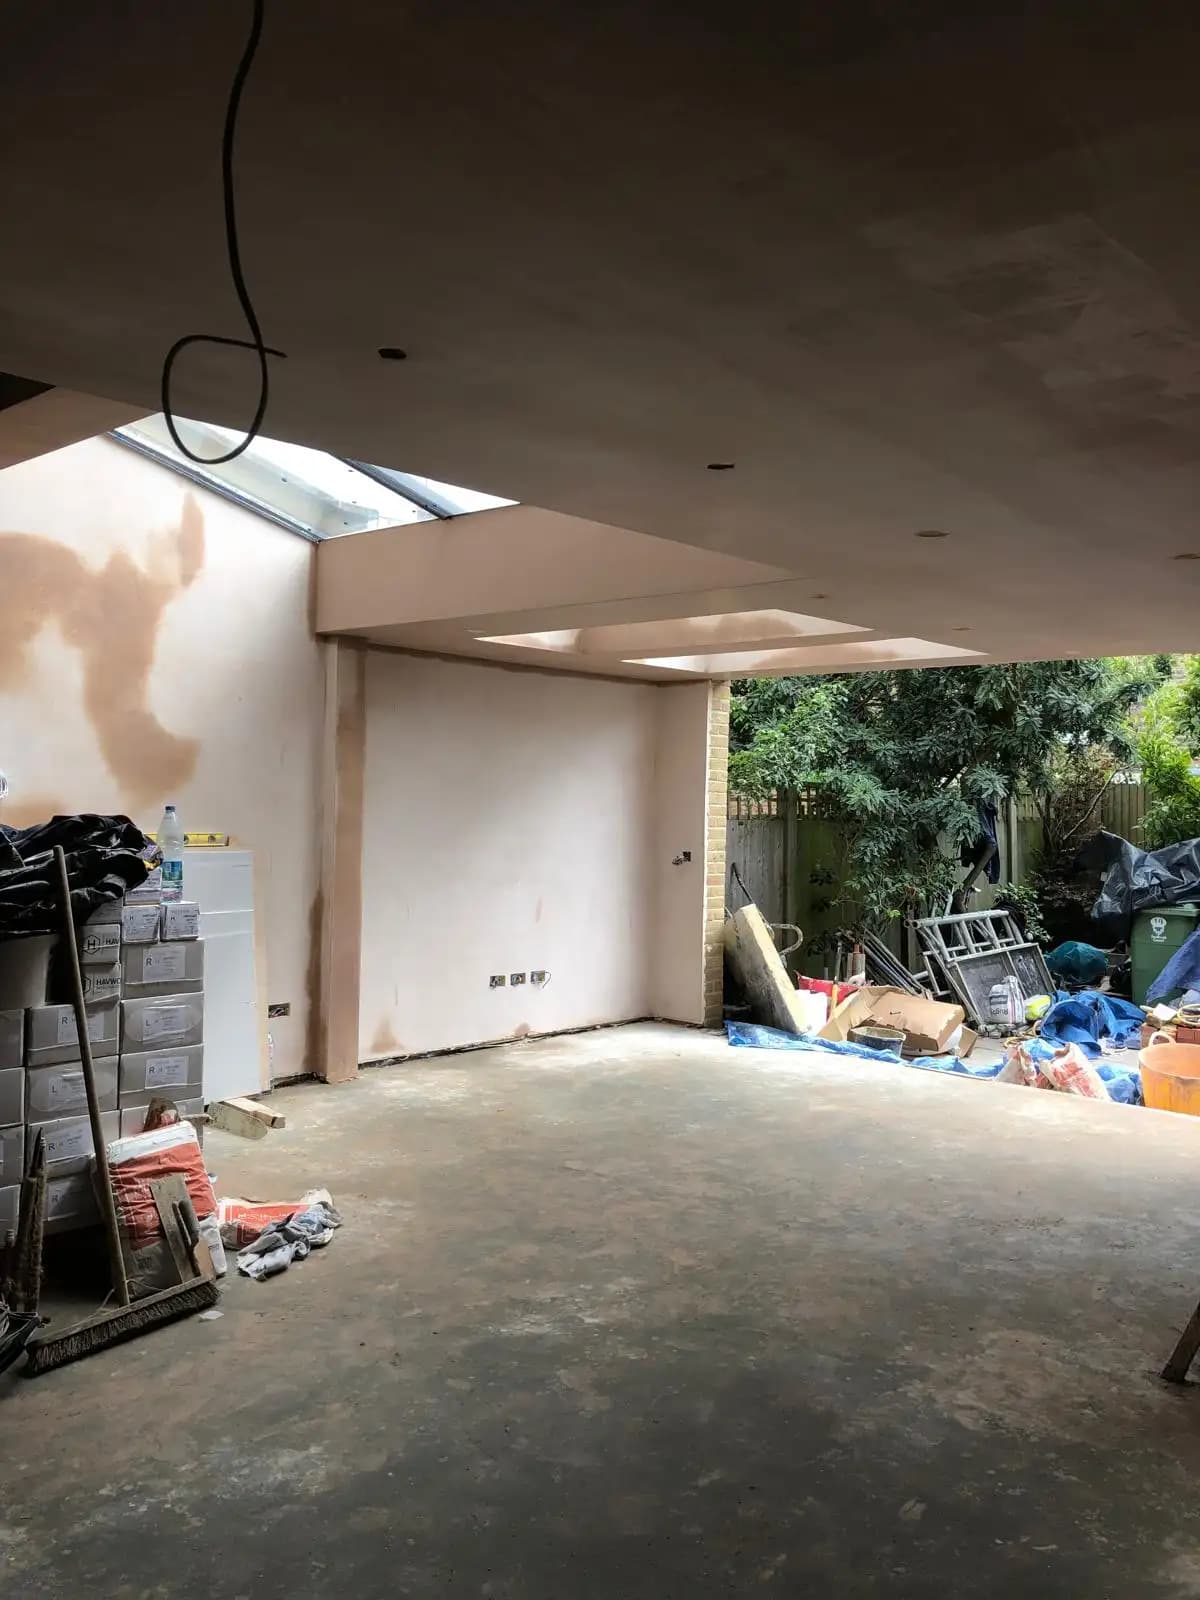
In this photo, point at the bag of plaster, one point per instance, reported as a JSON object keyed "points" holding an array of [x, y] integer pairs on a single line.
{"points": [[135, 1163], [1070, 1070], [241, 1221], [1021, 1067]]}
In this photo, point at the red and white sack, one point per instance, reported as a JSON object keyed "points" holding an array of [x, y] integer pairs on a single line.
{"points": [[1020, 1067], [1070, 1070], [242, 1221], [135, 1163]]}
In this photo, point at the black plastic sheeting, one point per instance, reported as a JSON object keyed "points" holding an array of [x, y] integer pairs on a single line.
{"points": [[106, 856], [1140, 880]]}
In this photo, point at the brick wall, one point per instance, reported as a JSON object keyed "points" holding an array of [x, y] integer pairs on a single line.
{"points": [[717, 800]]}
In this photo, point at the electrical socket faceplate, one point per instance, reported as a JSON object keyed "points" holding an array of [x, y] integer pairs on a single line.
{"points": [[497, 980]]}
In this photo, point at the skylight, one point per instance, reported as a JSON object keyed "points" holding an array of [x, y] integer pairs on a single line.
{"points": [[311, 492]]}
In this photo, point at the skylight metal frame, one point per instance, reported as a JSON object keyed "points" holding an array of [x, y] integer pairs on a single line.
{"points": [[194, 474]]}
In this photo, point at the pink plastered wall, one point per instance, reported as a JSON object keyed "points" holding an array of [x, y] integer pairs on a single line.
{"points": [[514, 822], [155, 646]]}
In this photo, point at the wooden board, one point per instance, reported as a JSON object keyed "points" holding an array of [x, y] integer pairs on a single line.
{"points": [[761, 972]]}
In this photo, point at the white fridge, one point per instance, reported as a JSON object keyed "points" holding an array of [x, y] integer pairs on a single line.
{"points": [[222, 881]]}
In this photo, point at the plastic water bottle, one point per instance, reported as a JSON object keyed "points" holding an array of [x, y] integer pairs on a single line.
{"points": [[170, 842]]}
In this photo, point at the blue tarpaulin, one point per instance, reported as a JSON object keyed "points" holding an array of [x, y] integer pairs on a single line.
{"points": [[1124, 1084], [1086, 1018], [1182, 971], [759, 1038]]}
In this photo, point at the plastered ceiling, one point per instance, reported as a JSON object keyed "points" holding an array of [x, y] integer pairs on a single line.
{"points": [[909, 271]]}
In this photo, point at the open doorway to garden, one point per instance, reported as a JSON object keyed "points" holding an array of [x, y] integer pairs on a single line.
{"points": [[1015, 841]]}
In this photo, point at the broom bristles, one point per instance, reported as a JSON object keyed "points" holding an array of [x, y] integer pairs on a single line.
{"points": [[108, 1328]]}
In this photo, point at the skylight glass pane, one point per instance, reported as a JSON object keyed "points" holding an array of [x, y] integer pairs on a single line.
{"points": [[456, 499], [313, 491]]}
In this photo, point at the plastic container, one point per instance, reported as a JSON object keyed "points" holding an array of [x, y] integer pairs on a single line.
{"points": [[1006, 1003], [873, 1036], [1171, 1075], [1156, 937], [170, 842]]}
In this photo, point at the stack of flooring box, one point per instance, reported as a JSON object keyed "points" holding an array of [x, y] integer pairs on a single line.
{"points": [[143, 979], [12, 1115]]}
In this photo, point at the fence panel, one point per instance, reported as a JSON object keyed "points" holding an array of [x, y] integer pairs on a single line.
{"points": [[1123, 808], [790, 837], [756, 846]]}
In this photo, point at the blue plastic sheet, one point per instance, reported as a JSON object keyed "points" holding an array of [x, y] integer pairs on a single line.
{"points": [[1084, 1019], [1124, 1083], [758, 1038], [1182, 971]]}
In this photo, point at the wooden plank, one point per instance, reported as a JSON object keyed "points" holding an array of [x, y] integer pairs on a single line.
{"points": [[232, 1116], [167, 1193], [755, 960], [255, 1108]]}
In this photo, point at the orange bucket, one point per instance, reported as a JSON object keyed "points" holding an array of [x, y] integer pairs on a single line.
{"points": [[1171, 1075]]}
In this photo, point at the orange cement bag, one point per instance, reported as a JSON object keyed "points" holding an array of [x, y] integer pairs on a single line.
{"points": [[136, 1162], [243, 1220]]}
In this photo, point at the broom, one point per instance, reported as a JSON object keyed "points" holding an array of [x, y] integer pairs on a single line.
{"points": [[127, 1318]]}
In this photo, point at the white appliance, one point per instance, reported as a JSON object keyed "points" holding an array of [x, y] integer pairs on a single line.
{"points": [[223, 883]]}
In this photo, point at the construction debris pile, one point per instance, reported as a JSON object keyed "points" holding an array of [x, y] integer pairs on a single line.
{"points": [[980, 976]]}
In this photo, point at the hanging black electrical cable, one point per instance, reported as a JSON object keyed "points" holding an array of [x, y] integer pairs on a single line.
{"points": [[255, 343]]}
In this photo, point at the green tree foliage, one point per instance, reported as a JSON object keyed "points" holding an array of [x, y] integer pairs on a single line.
{"points": [[1168, 734], [1183, 705], [1021, 899], [905, 758]]}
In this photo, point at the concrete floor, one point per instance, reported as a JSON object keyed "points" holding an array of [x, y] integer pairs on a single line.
{"points": [[633, 1314]]}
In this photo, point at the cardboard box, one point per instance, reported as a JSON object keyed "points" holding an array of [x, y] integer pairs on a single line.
{"points": [[180, 919], [175, 968], [12, 1040], [133, 1118], [139, 924], [50, 1033], [10, 1208], [12, 1155], [58, 1091], [147, 893], [69, 1146], [162, 1022], [71, 1203], [12, 1096], [101, 983], [145, 1073], [107, 911], [929, 1025], [99, 944]]}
